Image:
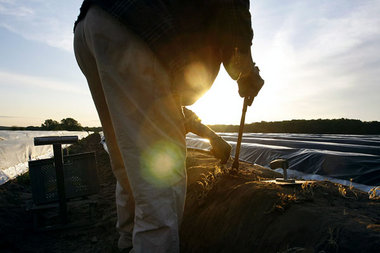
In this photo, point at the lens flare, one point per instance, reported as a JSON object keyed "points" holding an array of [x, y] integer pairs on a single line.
{"points": [[197, 76], [163, 164]]}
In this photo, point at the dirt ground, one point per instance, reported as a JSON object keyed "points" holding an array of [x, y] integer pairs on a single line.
{"points": [[224, 212]]}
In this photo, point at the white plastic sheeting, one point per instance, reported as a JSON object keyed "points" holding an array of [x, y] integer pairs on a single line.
{"points": [[17, 148], [337, 158]]}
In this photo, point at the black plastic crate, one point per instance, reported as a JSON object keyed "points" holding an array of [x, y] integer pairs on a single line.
{"points": [[80, 178]]}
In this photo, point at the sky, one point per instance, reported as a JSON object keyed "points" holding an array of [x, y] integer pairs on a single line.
{"points": [[319, 59]]}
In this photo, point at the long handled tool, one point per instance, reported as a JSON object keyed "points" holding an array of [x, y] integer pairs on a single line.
{"points": [[235, 165]]}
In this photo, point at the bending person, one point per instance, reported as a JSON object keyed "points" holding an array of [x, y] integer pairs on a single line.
{"points": [[144, 60]]}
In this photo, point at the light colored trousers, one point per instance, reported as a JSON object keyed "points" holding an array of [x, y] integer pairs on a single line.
{"points": [[144, 131]]}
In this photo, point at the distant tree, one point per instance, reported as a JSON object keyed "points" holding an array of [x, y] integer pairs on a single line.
{"points": [[71, 125], [53, 125], [50, 124], [32, 128], [316, 126], [15, 128], [93, 129]]}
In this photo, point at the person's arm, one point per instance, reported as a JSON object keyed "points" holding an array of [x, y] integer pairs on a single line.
{"points": [[220, 148], [241, 68], [236, 47]]}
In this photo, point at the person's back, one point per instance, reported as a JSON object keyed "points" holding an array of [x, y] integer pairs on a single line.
{"points": [[209, 33], [190, 37]]}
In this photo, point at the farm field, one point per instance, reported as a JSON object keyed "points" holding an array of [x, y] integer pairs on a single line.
{"points": [[224, 212]]}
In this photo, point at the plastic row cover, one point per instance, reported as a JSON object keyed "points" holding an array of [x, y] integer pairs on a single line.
{"points": [[17, 148], [343, 157]]}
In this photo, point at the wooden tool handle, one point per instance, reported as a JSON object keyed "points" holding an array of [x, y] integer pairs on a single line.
{"points": [[235, 164]]}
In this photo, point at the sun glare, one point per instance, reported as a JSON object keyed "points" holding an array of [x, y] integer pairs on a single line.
{"points": [[219, 105], [196, 74], [223, 105], [162, 164]]}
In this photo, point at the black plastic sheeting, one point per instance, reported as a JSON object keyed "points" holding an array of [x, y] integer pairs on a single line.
{"points": [[344, 157]]}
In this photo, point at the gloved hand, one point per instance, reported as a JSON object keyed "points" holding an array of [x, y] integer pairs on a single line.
{"points": [[250, 84], [220, 149], [241, 68]]}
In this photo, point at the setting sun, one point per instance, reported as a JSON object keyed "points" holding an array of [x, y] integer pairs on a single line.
{"points": [[220, 104]]}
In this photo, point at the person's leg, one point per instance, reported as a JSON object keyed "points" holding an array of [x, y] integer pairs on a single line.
{"points": [[125, 207], [149, 128], [124, 198]]}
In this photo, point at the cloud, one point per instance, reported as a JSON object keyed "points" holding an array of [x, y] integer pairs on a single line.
{"points": [[319, 59], [10, 117], [341, 36], [14, 79], [49, 21], [7, 8], [318, 54]]}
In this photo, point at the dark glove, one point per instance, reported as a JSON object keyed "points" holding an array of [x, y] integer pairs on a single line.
{"points": [[220, 149], [250, 84]]}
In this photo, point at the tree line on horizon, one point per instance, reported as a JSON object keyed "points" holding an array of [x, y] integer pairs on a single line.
{"points": [[316, 126], [68, 124]]}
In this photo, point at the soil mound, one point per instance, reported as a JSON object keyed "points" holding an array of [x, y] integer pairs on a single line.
{"points": [[241, 213], [224, 213]]}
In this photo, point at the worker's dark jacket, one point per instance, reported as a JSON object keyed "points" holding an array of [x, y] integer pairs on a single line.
{"points": [[202, 33]]}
